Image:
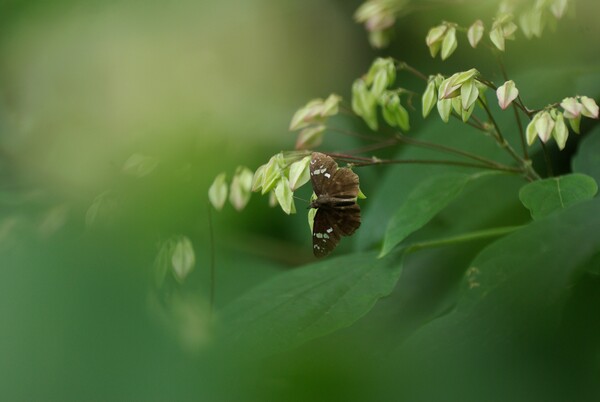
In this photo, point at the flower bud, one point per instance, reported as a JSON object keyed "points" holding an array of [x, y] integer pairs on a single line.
{"points": [[285, 196], [590, 108], [444, 107], [259, 177], [475, 33], [572, 107], [272, 172], [468, 94], [429, 97], [560, 132], [449, 43], [310, 137], [217, 193], [558, 8], [507, 93], [299, 173], [544, 126], [241, 187], [183, 258]]}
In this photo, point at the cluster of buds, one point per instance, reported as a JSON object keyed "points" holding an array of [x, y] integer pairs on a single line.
{"points": [[533, 20], [378, 17], [442, 37], [458, 92], [175, 255], [280, 177], [311, 118], [550, 122], [371, 91], [239, 189]]}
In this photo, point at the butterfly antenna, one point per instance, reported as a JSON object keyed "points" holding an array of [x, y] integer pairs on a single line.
{"points": [[301, 199]]}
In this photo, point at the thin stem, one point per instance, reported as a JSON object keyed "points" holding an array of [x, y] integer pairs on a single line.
{"points": [[404, 66], [514, 107], [213, 270], [463, 238], [431, 145], [360, 161], [547, 159], [521, 132], [374, 147]]}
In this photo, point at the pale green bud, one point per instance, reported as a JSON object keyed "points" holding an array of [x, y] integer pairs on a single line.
{"points": [[560, 132], [379, 39], [241, 188], [272, 199], [444, 107], [380, 82], [531, 131], [331, 105], [364, 103], [310, 137], [259, 178], [466, 113], [315, 111], [507, 93], [434, 39], [475, 33], [429, 97], [590, 108], [272, 172], [449, 43], [457, 105], [393, 112], [389, 72], [299, 173], [449, 88], [468, 94], [544, 126], [572, 107], [217, 193], [558, 8], [183, 258], [285, 196], [575, 123], [497, 38]]}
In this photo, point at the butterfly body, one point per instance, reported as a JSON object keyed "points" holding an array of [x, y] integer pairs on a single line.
{"points": [[337, 212]]}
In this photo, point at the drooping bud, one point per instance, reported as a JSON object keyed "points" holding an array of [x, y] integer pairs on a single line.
{"points": [[183, 258], [217, 193], [475, 33], [560, 132], [449, 43], [590, 108], [284, 195], [429, 97], [259, 178], [241, 188], [310, 137], [544, 126], [572, 107], [468, 94], [299, 173], [434, 39], [507, 93]]}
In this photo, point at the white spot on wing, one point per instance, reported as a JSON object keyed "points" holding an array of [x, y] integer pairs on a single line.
{"points": [[329, 230], [327, 175]]}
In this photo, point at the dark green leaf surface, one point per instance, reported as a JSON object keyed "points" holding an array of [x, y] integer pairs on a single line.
{"points": [[511, 300], [309, 302], [587, 159], [423, 203], [546, 196]]}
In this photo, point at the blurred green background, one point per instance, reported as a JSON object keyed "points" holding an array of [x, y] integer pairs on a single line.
{"points": [[200, 87]]}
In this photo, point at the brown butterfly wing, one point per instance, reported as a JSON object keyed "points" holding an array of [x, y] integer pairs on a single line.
{"points": [[322, 170], [344, 184], [331, 223]]}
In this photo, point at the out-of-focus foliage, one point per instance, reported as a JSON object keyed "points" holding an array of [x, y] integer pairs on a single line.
{"points": [[115, 118]]}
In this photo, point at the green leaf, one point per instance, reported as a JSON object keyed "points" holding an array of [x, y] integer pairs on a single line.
{"points": [[308, 302], [543, 197], [422, 204], [510, 304], [587, 159]]}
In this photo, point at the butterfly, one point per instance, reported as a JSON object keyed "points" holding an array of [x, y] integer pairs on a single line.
{"points": [[338, 214]]}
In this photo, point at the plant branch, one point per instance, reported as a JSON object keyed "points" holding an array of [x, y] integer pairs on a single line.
{"points": [[462, 238]]}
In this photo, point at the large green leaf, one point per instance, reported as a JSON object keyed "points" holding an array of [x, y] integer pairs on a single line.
{"points": [[308, 302], [543, 197], [422, 204], [510, 307], [587, 159]]}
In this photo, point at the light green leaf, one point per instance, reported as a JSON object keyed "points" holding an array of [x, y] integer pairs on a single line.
{"points": [[544, 197], [423, 203], [308, 302]]}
